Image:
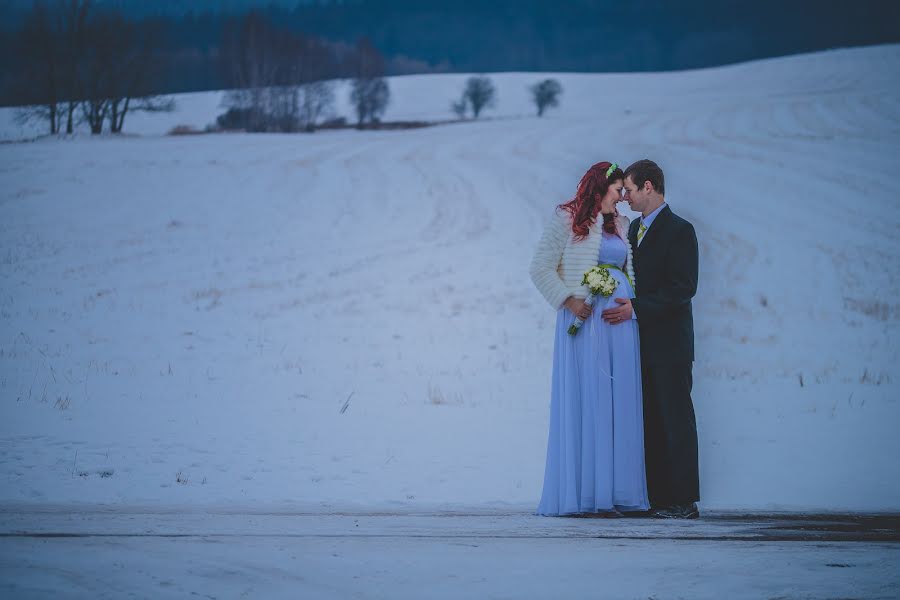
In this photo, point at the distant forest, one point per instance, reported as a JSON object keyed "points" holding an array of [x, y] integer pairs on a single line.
{"points": [[416, 36]]}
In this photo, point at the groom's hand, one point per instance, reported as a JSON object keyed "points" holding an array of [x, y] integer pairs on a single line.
{"points": [[620, 314]]}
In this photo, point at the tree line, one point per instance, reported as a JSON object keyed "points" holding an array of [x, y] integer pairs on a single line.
{"points": [[81, 66], [502, 35], [80, 63], [282, 80]]}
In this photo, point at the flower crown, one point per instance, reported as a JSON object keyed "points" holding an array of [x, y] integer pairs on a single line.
{"points": [[611, 168]]}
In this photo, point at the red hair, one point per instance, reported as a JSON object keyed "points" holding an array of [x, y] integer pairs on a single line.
{"points": [[585, 206]]}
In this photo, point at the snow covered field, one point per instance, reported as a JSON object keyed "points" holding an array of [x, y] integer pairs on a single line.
{"points": [[162, 554], [345, 319]]}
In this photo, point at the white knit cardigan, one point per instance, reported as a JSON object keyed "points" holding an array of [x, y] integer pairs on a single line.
{"points": [[559, 262]]}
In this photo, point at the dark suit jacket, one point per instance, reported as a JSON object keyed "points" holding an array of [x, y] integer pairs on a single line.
{"points": [[665, 267]]}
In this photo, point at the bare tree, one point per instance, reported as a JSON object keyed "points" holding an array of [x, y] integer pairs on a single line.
{"points": [[94, 111], [480, 94], [283, 98], [134, 77], [264, 66], [317, 98], [460, 107], [545, 94], [250, 67], [370, 97], [87, 66], [40, 84], [72, 16], [100, 67], [317, 64], [282, 108], [277, 77], [369, 93]]}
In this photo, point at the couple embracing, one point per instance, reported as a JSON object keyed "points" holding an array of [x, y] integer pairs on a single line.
{"points": [[623, 436]]}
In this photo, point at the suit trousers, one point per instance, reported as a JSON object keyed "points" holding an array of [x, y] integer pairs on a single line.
{"points": [[670, 434]]}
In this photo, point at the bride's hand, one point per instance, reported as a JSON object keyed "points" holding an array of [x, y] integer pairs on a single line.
{"points": [[578, 307]]}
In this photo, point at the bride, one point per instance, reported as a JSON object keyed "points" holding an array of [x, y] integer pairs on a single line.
{"points": [[595, 447]]}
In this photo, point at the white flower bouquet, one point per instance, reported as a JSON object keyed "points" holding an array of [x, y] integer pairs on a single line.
{"points": [[600, 283]]}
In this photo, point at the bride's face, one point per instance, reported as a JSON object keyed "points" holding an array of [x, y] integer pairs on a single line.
{"points": [[612, 196]]}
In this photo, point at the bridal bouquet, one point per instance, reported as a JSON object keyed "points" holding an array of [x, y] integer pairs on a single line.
{"points": [[601, 283]]}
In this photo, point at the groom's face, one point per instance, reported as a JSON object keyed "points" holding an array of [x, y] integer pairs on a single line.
{"points": [[636, 198]]}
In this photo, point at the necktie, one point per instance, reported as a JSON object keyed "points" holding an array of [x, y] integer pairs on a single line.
{"points": [[641, 232]]}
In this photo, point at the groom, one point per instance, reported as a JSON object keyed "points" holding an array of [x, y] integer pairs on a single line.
{"points": [[665, 269]]}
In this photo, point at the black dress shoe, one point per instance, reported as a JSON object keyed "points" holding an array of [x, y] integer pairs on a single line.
{"points": [[678, 511]]}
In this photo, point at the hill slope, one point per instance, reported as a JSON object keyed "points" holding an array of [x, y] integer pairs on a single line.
{"points": [[346, 318]]}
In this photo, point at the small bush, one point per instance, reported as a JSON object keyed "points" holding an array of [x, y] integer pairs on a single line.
{"points": [[184, 130]]}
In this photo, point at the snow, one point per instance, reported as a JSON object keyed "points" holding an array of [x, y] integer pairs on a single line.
{"points": [[492, 568], [345, 319], [163, 554]]}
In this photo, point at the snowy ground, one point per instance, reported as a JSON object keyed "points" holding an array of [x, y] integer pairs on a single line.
{"points": [[231, 554], [345, 319]]}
